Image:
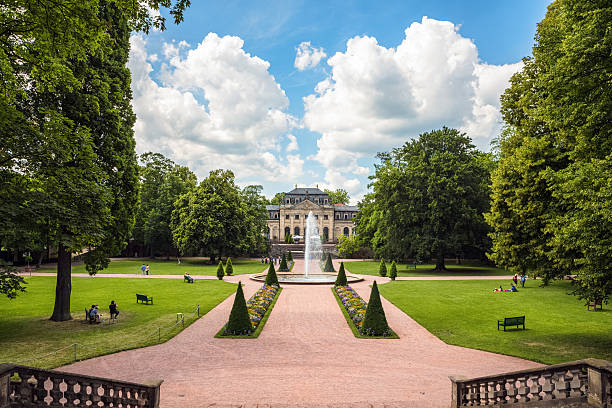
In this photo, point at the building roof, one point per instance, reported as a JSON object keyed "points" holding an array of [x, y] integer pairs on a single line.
{"points": [[346, 208], [306, 190], [272, 207]]}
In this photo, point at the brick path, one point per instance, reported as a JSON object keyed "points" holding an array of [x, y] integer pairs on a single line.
{"points": [[306, 356]]}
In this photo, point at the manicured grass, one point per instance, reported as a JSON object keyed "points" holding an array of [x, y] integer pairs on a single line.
{"points": [[558, 326], [26, 332], [352, 324], [196, 266], [260, 326], [371, 268]]}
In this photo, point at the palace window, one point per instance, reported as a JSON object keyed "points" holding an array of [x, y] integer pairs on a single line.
{"points": [[316, 217], [345, 216], [337, 216], [346, 231], [297, 216], [296, 231], [325, 217], [286, 216]]}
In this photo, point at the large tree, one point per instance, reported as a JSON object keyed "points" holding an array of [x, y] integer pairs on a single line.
{"points": [[254, 242], [338, 196], [162, 182], [212, 218], [557, 110], [431, 194]]}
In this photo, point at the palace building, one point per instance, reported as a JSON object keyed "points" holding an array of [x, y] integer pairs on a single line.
{"points": [[290, 216]]}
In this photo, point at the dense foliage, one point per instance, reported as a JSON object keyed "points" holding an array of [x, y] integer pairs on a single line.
{"points": [[347, 246], [229, 268], [550, 207], [393, 272], [329, 265], [338, 196], [375, 321], [10, 282], [382, 268], [162, 182], [283, 264], [271, 278], [239, 323], [220, 271], [341, 278], [429, 198], [219, 219]]}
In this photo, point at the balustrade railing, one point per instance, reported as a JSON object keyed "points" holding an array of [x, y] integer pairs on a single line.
{"points": [[579, 382], [22, 386]]}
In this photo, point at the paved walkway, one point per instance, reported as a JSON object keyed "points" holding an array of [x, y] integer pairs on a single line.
{"points": [[306, 356]]}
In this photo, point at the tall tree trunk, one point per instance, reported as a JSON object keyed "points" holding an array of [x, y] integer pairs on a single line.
{"points": [[440, 262], [63, 287]]}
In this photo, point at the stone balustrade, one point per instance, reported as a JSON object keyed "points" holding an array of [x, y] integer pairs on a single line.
{"points": [[22, 386], [579, 384]]}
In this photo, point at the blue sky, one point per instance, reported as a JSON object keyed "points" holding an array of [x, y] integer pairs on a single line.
{"points": [[224, 88]]}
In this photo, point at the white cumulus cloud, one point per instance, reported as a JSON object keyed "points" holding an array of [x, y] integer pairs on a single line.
{"points": [[216, 107], [376, 98], [307, 56]]}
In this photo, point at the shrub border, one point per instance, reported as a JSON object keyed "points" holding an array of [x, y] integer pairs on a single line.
{"points": [[261, 325], [352, 324]]}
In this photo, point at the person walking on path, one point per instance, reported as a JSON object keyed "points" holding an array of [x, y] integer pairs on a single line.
{"points": [[515, 279], [142, 268], [147, 269], [523, 279]]}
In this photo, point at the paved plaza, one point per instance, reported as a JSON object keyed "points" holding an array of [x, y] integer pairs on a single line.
{"points": [[306, 356]]}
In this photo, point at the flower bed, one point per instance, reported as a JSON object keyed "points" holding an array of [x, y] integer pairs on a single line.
{"points": [[354, 305], [259, 306], [354, 309], [259, 303]]}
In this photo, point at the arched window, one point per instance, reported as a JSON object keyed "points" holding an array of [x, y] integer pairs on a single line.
{"points": [[296, 231], [346, 231], [287, 231], [326, 234]]}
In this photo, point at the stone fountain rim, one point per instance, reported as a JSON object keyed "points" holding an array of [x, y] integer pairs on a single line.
{"points": [[261, 277]]}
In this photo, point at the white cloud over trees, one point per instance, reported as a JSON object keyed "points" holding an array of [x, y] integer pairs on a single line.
{"points": [[307, 56]]}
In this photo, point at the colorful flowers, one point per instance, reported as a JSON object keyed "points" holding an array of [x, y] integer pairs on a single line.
{"points": [[259, 303], [353, 303]]}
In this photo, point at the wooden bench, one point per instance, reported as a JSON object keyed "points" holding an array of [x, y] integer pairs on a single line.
{"points": [[188, 279], [511, 321], [594, 305], [144, 298]]}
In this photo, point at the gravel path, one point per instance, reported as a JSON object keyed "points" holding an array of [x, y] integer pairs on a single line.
{"points": [[306, 356]]}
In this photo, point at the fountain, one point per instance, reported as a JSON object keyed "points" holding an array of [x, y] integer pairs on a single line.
{"points": [[313, 254]]}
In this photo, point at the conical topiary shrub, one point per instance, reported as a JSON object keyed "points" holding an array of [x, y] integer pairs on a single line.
{"points": [[341, 279], [289, 257], [229, 268], [382, 268], [375, 322], [271, 278], [393, 272], [283, 264], [329, 266], [239, 322], [220, 272]]}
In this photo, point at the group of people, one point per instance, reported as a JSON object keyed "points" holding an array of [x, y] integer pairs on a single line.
{"points": [[514, 283], [95, 315], [272, 259], [145, 269]]}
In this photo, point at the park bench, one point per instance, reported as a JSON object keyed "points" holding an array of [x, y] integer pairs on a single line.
{"points": [[188, 279], [594, 304], [511, 321], [144, 298]]}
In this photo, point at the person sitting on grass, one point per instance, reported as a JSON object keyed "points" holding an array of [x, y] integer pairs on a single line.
{"points": [[188, 277], [514, 289], [113, 310], [94, 314]]}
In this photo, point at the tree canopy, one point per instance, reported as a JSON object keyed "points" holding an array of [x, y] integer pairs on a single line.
{"points": [[550, 209], [429, 198], [338, 196]]}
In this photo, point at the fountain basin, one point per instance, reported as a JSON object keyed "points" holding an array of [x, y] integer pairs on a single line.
{"points": [[312, 279]]}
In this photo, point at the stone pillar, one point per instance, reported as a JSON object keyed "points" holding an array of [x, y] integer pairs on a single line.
{"points": [[456, 390], [5, 383], [599, 378]]}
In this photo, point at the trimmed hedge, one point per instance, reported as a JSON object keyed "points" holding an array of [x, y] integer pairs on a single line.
{"points": [[382, 268], [239, 323], [220, 272], [375, 321], [329, 266], [393, 273], [341, 279], [271, 278], [283, 264], [229, 268]]}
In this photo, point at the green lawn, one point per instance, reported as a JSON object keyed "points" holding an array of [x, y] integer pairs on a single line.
{"points": [[171, 267], [371, 268], [558, 326], [26, 332]]}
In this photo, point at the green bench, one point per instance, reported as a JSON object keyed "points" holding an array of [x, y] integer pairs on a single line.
{"points": [[594, 304], [511, 321], [144, 298]]}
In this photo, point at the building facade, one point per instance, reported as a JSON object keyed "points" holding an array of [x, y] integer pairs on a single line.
{"points": [[290, 216]]}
